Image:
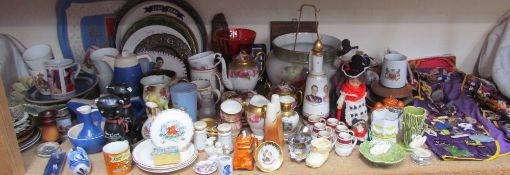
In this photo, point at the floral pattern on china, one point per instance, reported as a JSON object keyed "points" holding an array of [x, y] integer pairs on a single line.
{"points": [[171, 127]]}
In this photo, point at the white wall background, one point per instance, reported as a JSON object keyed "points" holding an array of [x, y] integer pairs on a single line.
{"points": [[416, 28]]}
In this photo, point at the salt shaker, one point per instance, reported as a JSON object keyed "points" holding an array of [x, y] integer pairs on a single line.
{"points": [[225, 137], [200, 135]]}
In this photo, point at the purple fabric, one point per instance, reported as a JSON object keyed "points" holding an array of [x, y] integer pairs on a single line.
{"points": [[465, 105]]}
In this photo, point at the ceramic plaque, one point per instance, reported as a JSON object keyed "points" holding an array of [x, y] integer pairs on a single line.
{"points": [[268, 156]]}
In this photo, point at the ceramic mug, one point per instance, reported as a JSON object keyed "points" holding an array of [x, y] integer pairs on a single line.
{"points": [[344, 150], [41, 81], [35, 56], [204, 88], [184, 96], [226, 165], [311, 120], [61, 76], [346, 138], [205, 60], [231, 111], [117, 158], [394, 70], [255, 114], [210, 75]]}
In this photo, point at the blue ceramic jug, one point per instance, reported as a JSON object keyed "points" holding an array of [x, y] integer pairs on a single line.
{"points": [[184, 96], [90, 130], [127, 69]]}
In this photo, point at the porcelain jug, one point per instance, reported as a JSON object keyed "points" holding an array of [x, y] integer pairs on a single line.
{"points": [[155, 89], [104, 71], [90, 130], [316, 99], [127, 69], [255, 114], [243, 72]]}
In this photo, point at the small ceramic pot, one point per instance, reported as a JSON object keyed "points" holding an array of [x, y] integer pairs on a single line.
{"points": [[231, 111], [78, 161], [344, 150]]}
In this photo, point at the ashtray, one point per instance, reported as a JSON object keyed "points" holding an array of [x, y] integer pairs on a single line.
{"points": [[422, 156], [47, 148], [205, 167]]}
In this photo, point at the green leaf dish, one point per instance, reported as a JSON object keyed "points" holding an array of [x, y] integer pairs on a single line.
{"points": [[394, 155]]}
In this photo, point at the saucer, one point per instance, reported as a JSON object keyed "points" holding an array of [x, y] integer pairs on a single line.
{"points": [[85, 82]]}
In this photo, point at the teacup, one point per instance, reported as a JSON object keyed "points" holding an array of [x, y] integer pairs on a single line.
{"points": [[204, 87], [341, 128], [326, 134], [61, 76], [346, 138], [311, 121], [117, 157], [205, 60], [333, 122], [318, 127], [35, 56], [231, 111]]}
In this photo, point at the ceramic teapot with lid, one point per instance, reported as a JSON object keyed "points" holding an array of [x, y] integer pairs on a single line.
{"points": [[243, 72], [126, 68]]}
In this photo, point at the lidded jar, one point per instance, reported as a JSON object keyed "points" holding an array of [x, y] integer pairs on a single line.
{"points": [[200, 136], [225, 136]]}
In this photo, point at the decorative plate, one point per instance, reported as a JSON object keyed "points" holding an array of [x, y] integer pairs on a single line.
{"points": [[142, 157], [82, 23], [205, 167], [180, 9], [395, 154], [25, 145], [170, 62], [167, 21], [164, 41], [151, 30], [172, 127], [84, 83], [269, 156]]}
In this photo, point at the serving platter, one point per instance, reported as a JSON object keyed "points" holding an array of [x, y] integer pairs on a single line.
{"points": [[172, 127], [162, 20], [83, 23], [180, 9]]}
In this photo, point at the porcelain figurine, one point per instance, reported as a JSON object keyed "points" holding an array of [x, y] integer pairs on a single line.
{"points": [[78, 161], [360, 130], [127, 112], [273, 127], [417, 141], [243, 72], [115, 129], [351, 103], [316, 99]]}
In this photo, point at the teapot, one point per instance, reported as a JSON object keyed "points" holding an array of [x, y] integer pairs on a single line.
{"points": [[243, 72], [126, 68]]}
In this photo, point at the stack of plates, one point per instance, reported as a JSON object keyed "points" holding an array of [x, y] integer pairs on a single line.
{"points": [[26, 133], [169, 31], [142, 158]]}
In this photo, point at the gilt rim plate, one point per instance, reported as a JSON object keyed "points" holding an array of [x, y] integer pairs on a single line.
{"points": [[172, 127], [136, 10], [151, 30], [142, 156], [162, 20], [269, 156]]}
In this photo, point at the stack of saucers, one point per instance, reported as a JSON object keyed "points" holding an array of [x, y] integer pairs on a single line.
{"points": [[26, 132], [142, 158]]}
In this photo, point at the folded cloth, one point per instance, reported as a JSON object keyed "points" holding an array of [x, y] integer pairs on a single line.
{"points": [[11, 54]]}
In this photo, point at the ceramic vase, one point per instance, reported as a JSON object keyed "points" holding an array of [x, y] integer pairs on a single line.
{"points": [[413, 124], [89, 130], [316, 97]]}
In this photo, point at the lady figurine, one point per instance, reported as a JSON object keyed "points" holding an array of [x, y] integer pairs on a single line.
{"points": [[351, 103], [360, 130]]}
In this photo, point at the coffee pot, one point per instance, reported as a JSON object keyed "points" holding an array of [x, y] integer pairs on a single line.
{"points": [[126, 68]]}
